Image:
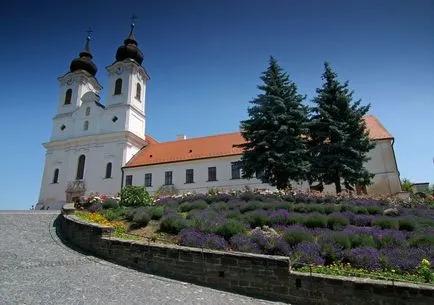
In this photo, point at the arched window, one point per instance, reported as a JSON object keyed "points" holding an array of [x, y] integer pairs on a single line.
{"points": [[56, 175], [80, 167], [86, 125], [118, 86], [138, 91], [108, 170], [68, 96], [87, 111]]}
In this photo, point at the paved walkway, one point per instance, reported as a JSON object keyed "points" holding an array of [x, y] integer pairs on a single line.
{"points": [[36, 268]]}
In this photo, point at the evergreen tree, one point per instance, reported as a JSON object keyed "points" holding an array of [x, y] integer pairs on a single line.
{"points": [[339, 141], [275, 149]]}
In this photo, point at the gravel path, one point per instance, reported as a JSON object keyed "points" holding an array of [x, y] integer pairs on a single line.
{"points": [[36, 268]]}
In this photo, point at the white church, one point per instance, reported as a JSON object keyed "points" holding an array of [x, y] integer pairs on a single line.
{"points": [[101, 147]]}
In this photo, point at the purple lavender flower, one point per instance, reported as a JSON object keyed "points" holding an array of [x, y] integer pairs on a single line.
{"points": [[279, 217], [213, 241], [191, 238], [367, 258], [307, 252], [243, 243], [363, 220]]}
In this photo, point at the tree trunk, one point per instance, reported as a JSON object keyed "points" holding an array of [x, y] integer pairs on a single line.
{"points": [[338, 185]]}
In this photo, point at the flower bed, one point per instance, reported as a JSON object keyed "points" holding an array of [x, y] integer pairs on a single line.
{"points": [[318, 233]]}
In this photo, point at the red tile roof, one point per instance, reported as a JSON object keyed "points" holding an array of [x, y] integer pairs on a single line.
{"points": [[215, 146]]}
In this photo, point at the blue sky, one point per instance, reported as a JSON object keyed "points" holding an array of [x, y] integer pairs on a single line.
{"points": [[205, 58]]}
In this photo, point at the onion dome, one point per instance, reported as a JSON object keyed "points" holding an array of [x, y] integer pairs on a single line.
{"points": [[84, 62], [130, 49]]}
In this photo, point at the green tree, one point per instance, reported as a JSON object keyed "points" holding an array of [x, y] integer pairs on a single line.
{"points": [[339, 141], [275, 146]]}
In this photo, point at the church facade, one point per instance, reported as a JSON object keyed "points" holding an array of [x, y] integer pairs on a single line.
{"points": [[101, 147]]}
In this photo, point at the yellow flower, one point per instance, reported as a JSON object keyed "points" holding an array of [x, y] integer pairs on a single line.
{"points": [[426, 263]]}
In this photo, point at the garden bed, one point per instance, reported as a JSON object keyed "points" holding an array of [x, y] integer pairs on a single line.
{"points": [[332, 235]]}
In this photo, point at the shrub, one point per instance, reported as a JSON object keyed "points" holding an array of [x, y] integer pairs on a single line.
{"points": [[269, 242], [361, 210], [215, 242], [166, 190], [219, 206], [362, 241], [297, 234], [191, 238], [257, 218], [233, 214], [110, 203], [95, 207], [331, 251], [347, 207], [386, 223], [185, 207], [134, 196], [307, 252], [230, 228], [300, 208], [173, 223], [363, 220], [407, 224], [403, 259], [141, 218], [341, 239], [318, 208], [316, 221], [421, 240], [199, 204], [374, 210], [295, 219], [155, 212], [251, 206], [243, 243], [388, 238], [330, 208], [194, 238], [114, 214], [279, 217], [366, 258], [335, 222]]}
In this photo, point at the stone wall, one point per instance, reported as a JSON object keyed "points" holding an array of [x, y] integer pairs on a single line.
{"points": [[262, 276]]}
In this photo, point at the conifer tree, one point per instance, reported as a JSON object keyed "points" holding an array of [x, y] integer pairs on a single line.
{"points": [[339, 141], [275, 149]]}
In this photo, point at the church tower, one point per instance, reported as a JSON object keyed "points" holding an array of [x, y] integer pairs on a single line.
{"points": [[91, 141], [127, 86]]}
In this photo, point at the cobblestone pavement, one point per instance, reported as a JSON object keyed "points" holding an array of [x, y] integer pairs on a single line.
{"points": [[36, 268]]}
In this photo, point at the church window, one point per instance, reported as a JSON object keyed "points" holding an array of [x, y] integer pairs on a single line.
{"points": [[87, 111], [168, 178], [56, 175], [62, 127], [86, 125], [212, 173], [68, 96], [189, 176], [118, 86], [80, 167], [129, 180], [138, 91], [114, 119], [148, 180], [108, 170]]}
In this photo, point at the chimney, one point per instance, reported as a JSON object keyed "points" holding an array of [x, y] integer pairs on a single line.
{"points": [[181, 137]]}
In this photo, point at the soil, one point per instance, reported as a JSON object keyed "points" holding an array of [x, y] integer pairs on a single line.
{"points": [[151, 233]]}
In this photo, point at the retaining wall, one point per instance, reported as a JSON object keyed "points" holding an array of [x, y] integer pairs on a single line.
{"points": [[262, 276]]}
